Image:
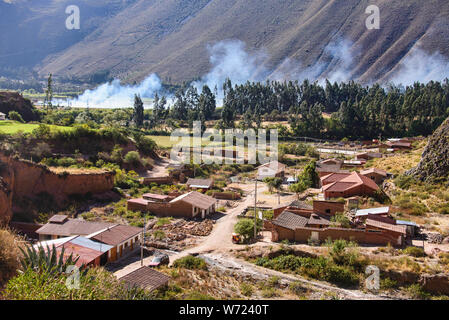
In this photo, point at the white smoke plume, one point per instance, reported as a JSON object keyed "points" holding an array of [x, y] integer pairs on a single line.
{"points": [[115, 95], [230, 59], [422, 67]]}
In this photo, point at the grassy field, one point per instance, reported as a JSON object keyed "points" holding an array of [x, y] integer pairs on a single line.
{"points": [[12, 127], [164, 142]]}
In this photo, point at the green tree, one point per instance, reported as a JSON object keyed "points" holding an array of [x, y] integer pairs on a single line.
{"points": [[245, 227], [49, 93], [138, 115]]}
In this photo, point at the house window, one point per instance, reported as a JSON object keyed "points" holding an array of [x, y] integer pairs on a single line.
{"points": [[328, 210]]}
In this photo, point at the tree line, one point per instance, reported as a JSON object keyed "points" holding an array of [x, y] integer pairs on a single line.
{"points": [[330, 111]]}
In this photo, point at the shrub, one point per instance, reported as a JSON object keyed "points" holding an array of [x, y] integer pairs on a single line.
{"points": [[414, 251], [416, 291], [96, 284], [444, 209], [341, 220], [9, 255], [269, 293], [133, 158], [297, 288], [405, 182], [159, 235], [246, 289], [191, 263], [15, 116], [163, 221], [341, 275]]}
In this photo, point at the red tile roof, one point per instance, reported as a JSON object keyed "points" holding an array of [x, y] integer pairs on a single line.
{"points": [[349, 182], [333, 177]]}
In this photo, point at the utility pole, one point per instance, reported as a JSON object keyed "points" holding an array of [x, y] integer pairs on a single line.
{"points": [[255, 211], [143, 240]]}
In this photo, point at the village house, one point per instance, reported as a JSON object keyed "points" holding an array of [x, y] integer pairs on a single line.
{"points": [[123, 239], [88, 252], [88, 236], [271, 169], [328, 208], [353, 163], [2, 116], [326, 167], [60, 226], [146, 278], [347, 185], [399, 232], [157, 197], [189, 205], [377, 175], [200, 184], [399, 145], [368, 156], [297, 228]]}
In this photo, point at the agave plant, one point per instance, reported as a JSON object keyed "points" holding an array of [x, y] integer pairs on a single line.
{"points": [[46, 260]]}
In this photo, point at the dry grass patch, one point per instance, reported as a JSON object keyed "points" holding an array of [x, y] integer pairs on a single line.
{"points": [[9, 255]]}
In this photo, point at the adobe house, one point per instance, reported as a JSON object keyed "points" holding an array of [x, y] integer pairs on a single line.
{"points": [[328, 208], [326, 167], [200, 184], [60, 226], [363, 214], [157, 197], [296, 228], [122, 239], [88, 252], [395, 231], [399, 145], [157, 180], [271, 169], [347, 186], [368, 155], [295, 206], [146, 278], [189, 205], [377, 175]]}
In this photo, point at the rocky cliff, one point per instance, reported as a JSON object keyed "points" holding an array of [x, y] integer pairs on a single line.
{"points": [[434, 165], [24, 181]]}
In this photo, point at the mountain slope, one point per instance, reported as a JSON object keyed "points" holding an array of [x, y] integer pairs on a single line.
{"points": [[171, 37]]}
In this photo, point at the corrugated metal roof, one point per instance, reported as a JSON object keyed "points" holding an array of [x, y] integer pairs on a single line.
{"points": [[101, 247], [365, 212], [406, 223]]}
